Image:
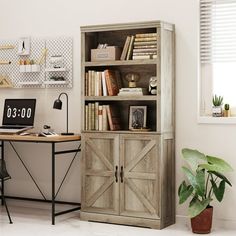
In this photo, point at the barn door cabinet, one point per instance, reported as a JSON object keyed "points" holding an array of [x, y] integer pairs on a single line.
{"points": [[128, 177]]}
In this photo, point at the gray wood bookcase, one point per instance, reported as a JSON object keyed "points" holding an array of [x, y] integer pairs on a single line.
{"points": [[128, 177]]}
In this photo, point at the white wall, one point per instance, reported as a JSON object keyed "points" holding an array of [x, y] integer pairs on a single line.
{"points": [[60, 17]]}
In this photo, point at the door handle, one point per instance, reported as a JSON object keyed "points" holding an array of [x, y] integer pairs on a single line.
{"points": [[116, 174], [121, 174]]}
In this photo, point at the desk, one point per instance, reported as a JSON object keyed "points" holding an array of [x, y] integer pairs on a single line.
{"points": [[52, 141]]}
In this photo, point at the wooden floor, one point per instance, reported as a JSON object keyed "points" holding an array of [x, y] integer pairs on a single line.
{"points": [[35, 221]]}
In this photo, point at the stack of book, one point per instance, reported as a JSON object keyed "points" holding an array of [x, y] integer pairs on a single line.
{"points": [[145, 46], [102, 83], [101, 117], [132, 91]]}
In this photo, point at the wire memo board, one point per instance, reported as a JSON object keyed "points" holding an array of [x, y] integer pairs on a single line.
{"points": [[45, 76]]}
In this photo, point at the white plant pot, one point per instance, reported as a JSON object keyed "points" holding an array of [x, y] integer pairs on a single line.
{"points": [[217, 111]]}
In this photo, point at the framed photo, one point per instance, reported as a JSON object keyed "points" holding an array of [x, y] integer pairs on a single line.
{"points": [[137, 117]]}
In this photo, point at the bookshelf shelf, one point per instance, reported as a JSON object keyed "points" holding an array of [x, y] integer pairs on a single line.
{"points": [[122, 63], [121, 98], [118, 161]]}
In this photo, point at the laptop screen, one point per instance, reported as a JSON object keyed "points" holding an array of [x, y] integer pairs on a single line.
{"points": [[19, 112]]}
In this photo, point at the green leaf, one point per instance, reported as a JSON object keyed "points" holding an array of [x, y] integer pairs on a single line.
{"points": [[184, 192], [196, 206], [200, 179], [219, 164], [221, 176], [218, 191], [193, 157], [190, 176]]}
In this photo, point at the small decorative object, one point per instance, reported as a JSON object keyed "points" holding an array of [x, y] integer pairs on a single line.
{"points": [[205, 180], [137, 117], [132, 78], [24, 46], [57, 78], [217, 106], [5, 81], [226, 110], [152, 85], [57, 61]]}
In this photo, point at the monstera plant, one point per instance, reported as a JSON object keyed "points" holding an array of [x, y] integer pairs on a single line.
{"points": [[205, 181]]}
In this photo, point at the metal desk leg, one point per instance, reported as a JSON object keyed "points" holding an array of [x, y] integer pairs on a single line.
{"points": [[53, 183], [2, 181]]}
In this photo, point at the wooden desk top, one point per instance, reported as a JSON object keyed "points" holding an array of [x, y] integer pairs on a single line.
{"points": [[34, 138]]}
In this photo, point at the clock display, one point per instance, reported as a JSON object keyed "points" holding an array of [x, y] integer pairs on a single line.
{"points": [[19, 111], [23, 113]]}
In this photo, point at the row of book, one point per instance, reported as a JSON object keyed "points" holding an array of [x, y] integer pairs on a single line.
{"points": [[140, 46], [102, 83], [101, 117]]}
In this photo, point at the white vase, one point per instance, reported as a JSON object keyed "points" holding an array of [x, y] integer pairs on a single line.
{"points": [[217, 111]]}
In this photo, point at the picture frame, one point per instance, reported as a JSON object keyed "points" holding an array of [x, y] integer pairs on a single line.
{"points": [[137, 117]]}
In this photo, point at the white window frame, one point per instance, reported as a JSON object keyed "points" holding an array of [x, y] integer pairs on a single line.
{"points": [[205, 88]]}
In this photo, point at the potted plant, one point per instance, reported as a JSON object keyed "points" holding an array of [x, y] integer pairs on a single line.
{"points": [[227, 110], [205, 180], [217, 106]]}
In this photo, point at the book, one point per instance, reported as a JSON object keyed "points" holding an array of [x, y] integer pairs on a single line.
{"points": [[129, 53], [154, 46], [96, 116], [111, 82], [125, 48], [145, 43], [113, 118], [100, 117], [145, 39], [145, 35], [132, 91], [104, 86], [144, 53], [104, 118], [86, 117], [144, 50], [136, 57]]}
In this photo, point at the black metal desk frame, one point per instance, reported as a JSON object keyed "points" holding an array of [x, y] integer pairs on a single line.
{"points": [[54, 193]]}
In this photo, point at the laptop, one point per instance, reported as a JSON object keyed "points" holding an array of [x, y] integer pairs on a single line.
{"points": [[18, 115]]}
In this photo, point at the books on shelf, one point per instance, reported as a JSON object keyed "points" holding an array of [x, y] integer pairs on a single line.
{"points": [[112, 82], [102, 83], [129, 53], [101, 117], [113, 118], [136, 57], [145, 46], [133, 92], [145, 35], [125, 48]]}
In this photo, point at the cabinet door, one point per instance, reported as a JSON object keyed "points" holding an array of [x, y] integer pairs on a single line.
{"points": [[100, 161], [139, 191]]}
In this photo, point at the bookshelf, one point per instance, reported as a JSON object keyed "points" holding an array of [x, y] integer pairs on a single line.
{"points": [[128, 177]]}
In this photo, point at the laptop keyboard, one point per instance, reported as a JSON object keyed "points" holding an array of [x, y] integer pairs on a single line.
{"points": [[12, 127]]}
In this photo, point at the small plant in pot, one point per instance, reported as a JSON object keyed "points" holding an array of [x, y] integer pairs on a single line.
{"points": [[217, 106], [226, 110], [205, 180]]}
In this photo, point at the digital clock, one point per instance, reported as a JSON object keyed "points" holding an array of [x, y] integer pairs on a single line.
{"points": [[19, 111]]}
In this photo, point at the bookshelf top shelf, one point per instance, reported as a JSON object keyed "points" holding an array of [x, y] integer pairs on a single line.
{"points": [[121, 98], [122, 63]]}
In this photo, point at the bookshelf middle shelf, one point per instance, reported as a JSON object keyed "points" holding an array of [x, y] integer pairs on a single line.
{"points": [[121, 98]]}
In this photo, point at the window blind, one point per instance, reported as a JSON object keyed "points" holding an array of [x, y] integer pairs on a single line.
{"points": [[217, 31]]}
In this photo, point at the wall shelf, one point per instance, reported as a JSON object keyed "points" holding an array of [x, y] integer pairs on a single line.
{"points": [[56, 69]]}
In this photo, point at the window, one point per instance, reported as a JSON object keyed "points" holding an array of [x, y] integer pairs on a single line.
{"points": [[217, 53]]}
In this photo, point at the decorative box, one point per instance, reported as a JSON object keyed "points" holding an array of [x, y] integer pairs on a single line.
{"points": [[108, 53]]}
